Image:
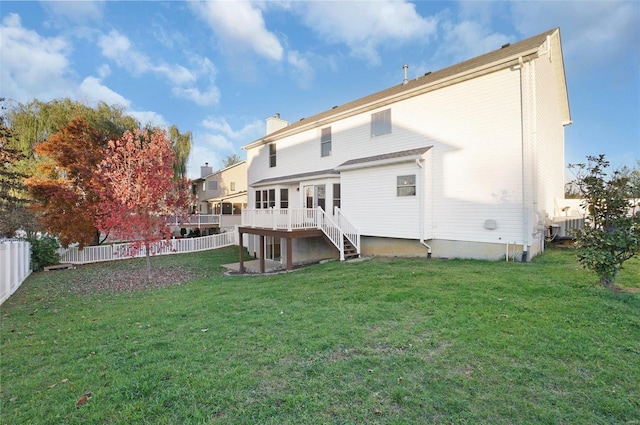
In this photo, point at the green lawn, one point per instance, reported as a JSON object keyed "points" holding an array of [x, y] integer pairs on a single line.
{"points": [[389, 341]]}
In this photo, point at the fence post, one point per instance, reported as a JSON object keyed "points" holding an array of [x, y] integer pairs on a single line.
{"points": [[5, 263]]}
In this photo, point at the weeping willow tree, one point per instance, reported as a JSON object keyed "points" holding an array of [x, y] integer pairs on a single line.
{"points": [[181, 145], [35, 121]]}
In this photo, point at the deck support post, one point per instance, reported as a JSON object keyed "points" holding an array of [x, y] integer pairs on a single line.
{"points": [[289, 254], [262, 265], [241, 251]]}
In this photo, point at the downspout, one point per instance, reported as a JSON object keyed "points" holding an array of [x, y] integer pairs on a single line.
{"points": [[523, 135], [540, 223], [421, 207]]}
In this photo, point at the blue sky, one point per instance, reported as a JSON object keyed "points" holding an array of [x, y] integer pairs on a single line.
{"points": [[220, 68]]}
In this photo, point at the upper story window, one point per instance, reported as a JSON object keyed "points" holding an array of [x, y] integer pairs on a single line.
{"points": [[284, 198], [232, 186], [381, 123], [325, 142], [407, 185], [272, 155]]}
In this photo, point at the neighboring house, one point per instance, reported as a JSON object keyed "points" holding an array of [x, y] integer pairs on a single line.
{"points": [[219, 198], [463, 162]]}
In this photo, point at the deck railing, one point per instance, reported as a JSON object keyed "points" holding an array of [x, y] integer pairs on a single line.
{"points": [[94, 254], [194, 220], [281, 218], [333, 226], [349, 230]]}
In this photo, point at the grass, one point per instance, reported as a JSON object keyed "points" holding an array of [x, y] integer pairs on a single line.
{"points": [[389, 341]]}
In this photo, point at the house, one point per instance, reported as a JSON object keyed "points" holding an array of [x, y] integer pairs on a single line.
{"points": [[219, 199], [464, 162]]}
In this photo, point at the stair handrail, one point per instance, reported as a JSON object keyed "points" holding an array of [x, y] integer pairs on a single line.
{"points": [[349, 230], [331, 230]]}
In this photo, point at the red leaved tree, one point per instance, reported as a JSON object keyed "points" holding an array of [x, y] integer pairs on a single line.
{"points": [[139, 191], [64, 185]]}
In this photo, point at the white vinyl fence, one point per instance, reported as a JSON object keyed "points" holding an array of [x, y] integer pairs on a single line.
{"points": [[15, 266], [94, 254]]}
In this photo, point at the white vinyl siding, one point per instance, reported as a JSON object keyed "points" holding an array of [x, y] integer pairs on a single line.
{"points": [[475, 175], [371, 195], [549, 138]]}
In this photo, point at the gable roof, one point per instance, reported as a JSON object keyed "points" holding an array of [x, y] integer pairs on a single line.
{"points": [[506, 56]]}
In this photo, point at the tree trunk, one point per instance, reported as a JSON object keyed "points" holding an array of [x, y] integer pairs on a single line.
{"points": [[609, 283], [148, 258]]}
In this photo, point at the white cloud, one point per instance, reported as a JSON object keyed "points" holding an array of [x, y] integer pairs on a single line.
{"points": [[465, 40], [246, 134], [32, 66], [302, 71], [118, 48], [593, 33], [210, 96], [187, 83], [218, 141], [77, 11], [240, 26], [365, 26], [92, 91], [149, 117], [104, 71]]}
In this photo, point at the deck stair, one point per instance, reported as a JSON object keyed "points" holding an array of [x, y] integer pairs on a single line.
{"points": [[350, 251], [336, 228]]}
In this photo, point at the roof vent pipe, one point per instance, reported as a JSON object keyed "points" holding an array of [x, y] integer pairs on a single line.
{"points": [[405, 67]]}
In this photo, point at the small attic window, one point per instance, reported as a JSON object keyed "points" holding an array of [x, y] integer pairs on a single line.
{"points": [[505, 45]]}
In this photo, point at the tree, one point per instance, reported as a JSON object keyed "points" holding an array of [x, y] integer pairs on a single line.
{"points": [[231, 160], [35, 121], [14, 197], [611, 234], [65, 186], [138, 190], [181, 145]]}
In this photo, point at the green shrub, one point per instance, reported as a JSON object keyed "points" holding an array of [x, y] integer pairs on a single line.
{"points": [[44, 252]]}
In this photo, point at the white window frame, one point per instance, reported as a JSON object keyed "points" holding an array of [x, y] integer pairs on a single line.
{"points": [[325, 140], [404, 184], [381, 123]]}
